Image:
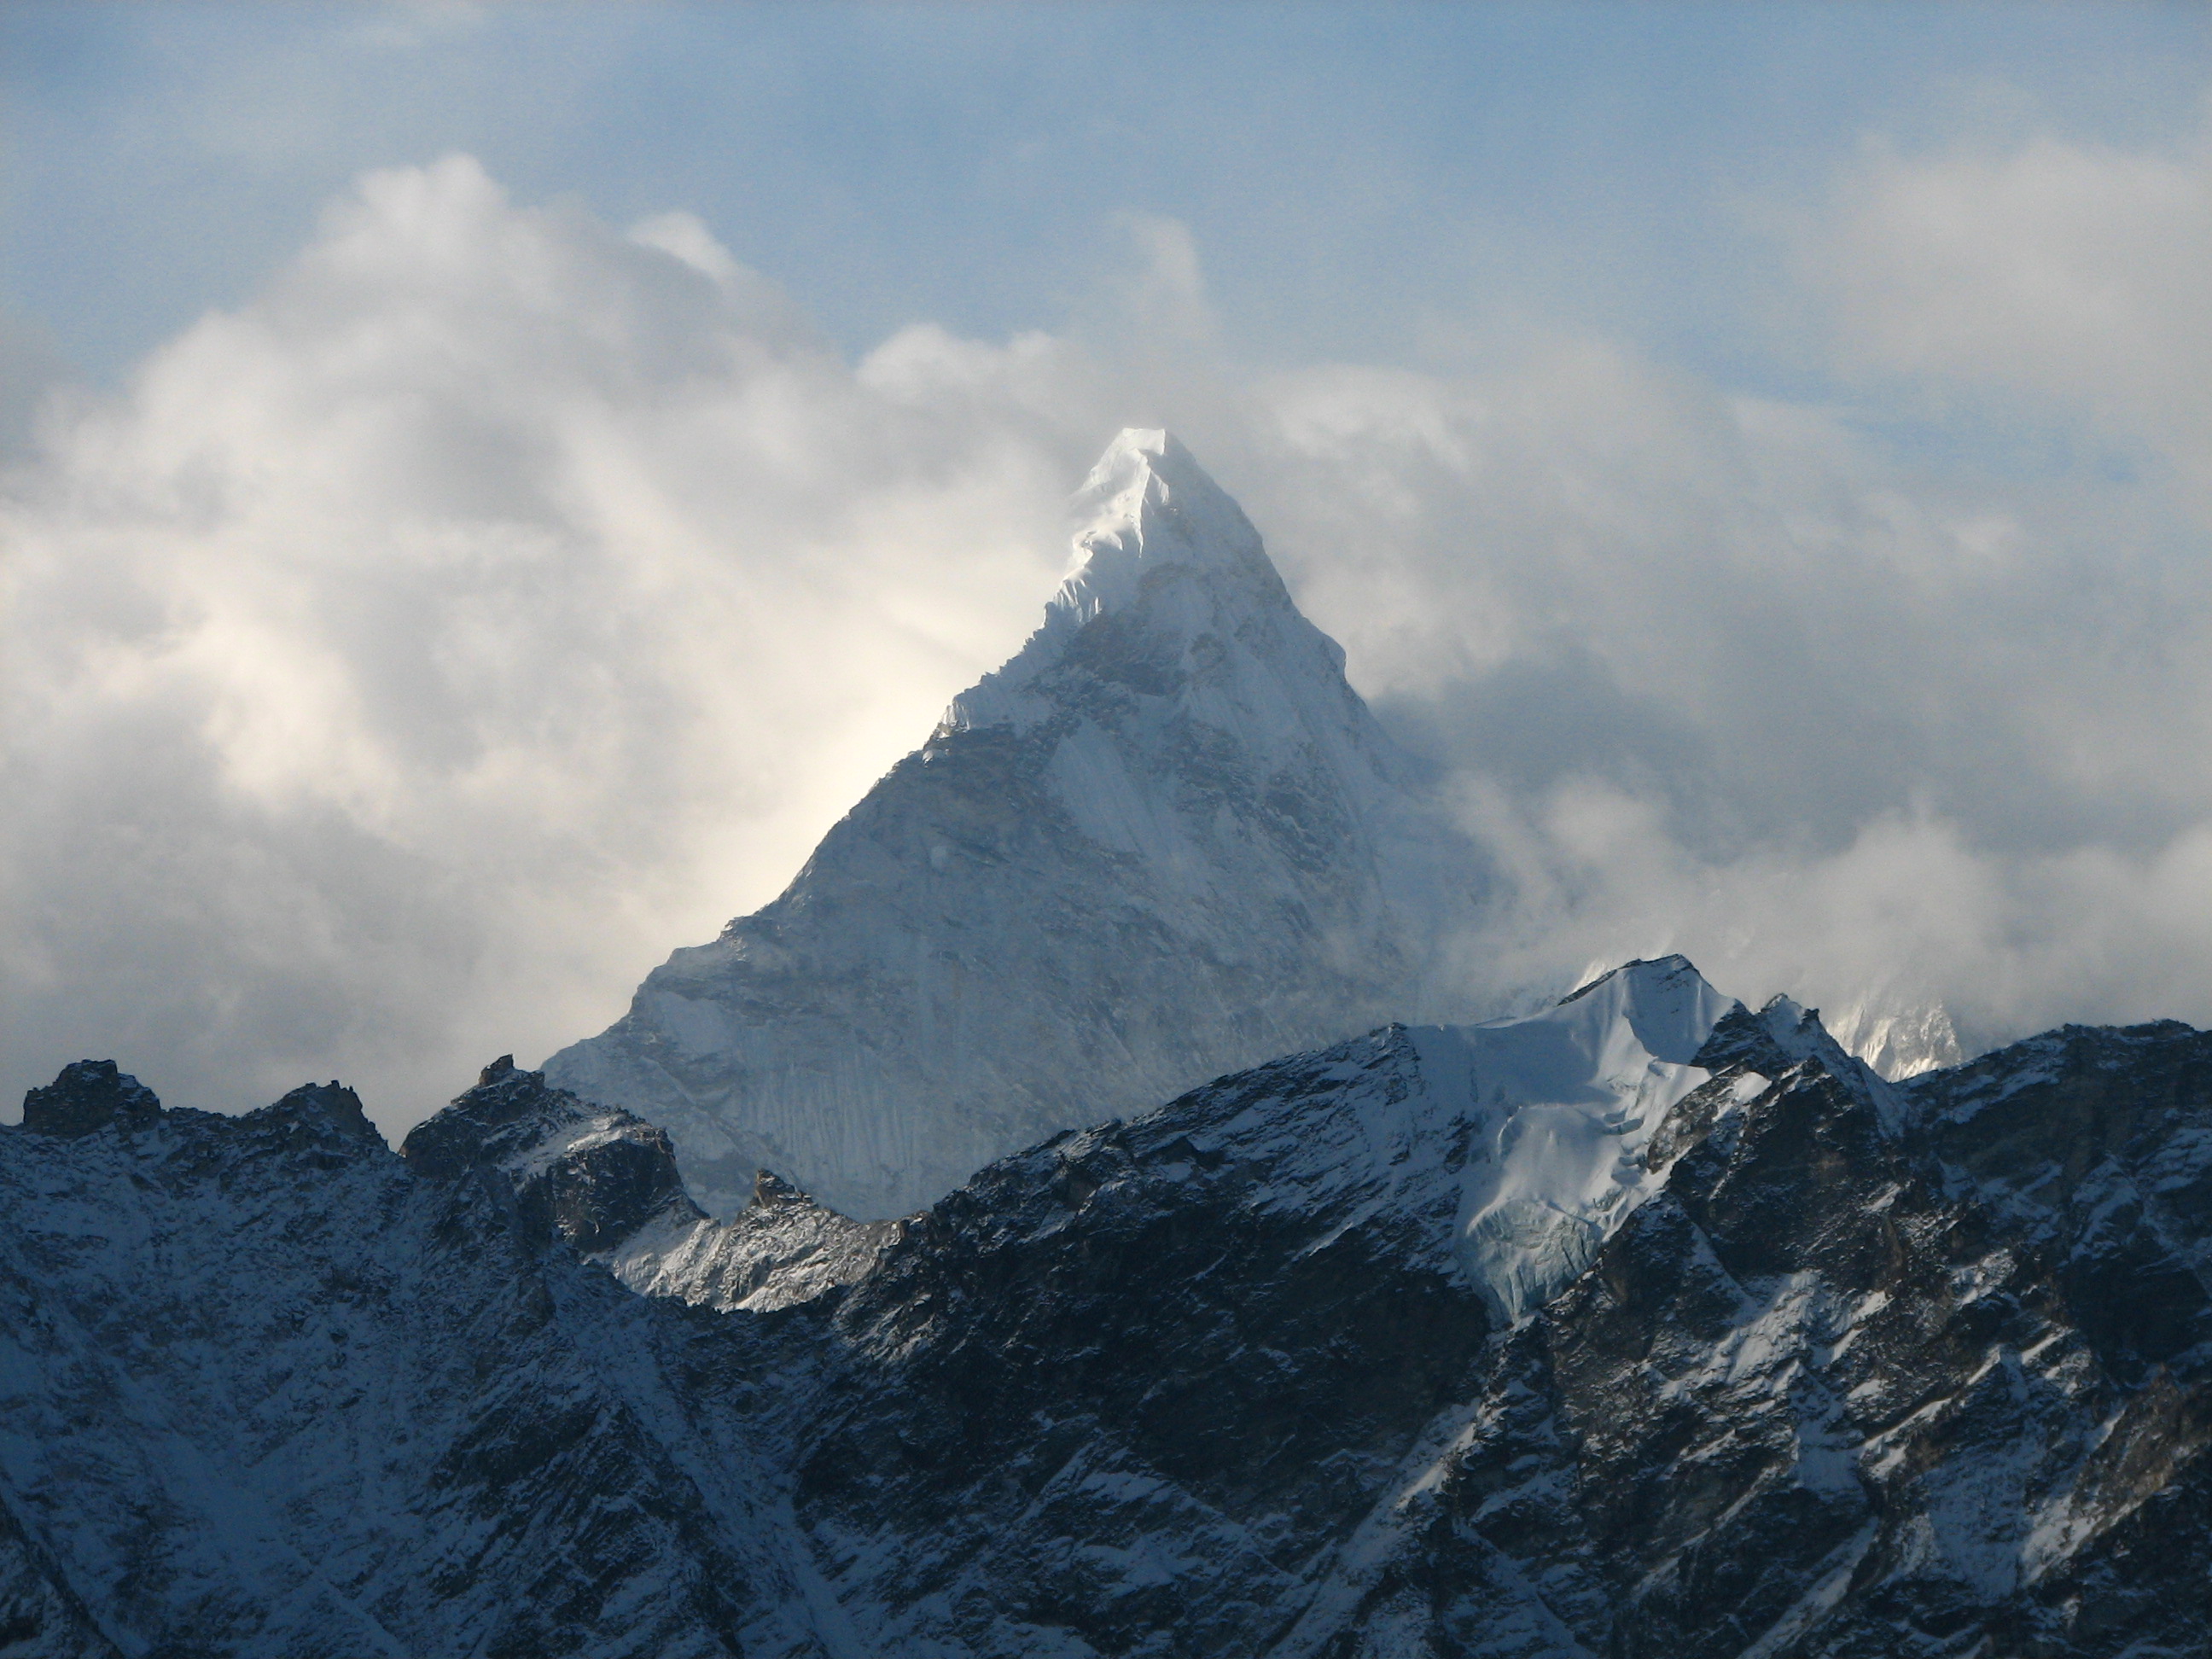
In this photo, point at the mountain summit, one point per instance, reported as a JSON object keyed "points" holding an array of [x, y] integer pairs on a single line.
{"points": [[1164, 840], [1167, 555]]}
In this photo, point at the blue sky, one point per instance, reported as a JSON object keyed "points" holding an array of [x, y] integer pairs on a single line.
{"points": [[1379, 182]]}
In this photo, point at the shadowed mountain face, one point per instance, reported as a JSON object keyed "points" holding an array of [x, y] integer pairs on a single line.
{"points": [[1767, 1357], [1165, 841]]}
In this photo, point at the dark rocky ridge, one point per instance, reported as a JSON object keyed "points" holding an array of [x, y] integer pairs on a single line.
{"points": [[88, 1096], [1881, 1371], [592, 1176]]}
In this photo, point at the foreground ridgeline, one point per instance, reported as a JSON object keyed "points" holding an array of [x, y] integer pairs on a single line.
{"points": [[1647, 1326], [1166, 840]]}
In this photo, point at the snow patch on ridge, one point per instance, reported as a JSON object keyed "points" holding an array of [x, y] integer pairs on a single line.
{"points": [[1510, 1150], [1574, 1093], [781, 1250]]}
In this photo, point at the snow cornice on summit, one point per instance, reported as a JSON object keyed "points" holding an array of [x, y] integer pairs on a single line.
{"points": [[1148, 507], [1163, 548]]}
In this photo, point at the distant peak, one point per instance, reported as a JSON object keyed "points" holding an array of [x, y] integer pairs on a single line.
{"points": [[1655, 969], [1667, 1002], [330, 1103]]}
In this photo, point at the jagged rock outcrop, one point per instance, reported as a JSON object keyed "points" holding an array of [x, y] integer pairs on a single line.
{"points": [[605, 1180], [88, 1096], [592, 1176], [1774, 1358]]}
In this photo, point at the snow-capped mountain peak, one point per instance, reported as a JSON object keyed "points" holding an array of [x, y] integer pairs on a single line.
{"points": [[1898, 1036], [1574, 1095], [1165, 840], [1664, 1005], [1172, 598]]}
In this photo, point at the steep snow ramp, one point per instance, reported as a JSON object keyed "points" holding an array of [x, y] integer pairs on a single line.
{"points": [[1573, 1095], [1508, 1151], [1500, 1154], [1165, 841]]}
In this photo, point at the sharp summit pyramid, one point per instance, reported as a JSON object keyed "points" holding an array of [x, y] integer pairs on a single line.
{"points": [[1166, 841]]}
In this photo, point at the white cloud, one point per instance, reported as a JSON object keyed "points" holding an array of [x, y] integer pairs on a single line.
{"points": [[2073, 275], [410, 657], [1725, 677]]}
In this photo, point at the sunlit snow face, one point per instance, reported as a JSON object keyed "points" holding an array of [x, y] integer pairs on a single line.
{"points": [[1572, 1096], [1506, 1151]]}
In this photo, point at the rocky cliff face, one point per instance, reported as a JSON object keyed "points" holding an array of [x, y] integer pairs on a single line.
{"points": [[1166, 841], [1773, 1358]]}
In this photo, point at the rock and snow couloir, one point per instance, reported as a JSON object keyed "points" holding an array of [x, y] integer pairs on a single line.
{"points": [[1166, 840]]}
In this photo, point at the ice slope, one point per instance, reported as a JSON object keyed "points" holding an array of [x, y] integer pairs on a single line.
{"points": [[1164, 840], [1574, 1095], [1511, 1149]]}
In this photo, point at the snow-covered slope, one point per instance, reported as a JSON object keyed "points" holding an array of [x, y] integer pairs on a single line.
{"points": [[1222, 1380], [1165, 840], [1510, 1150], [1574, 1097], [265, 1391], [1851, 1368], [1531, 1134]]}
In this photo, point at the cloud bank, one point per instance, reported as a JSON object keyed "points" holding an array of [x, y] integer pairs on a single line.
{"points": [[408, 658]]}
